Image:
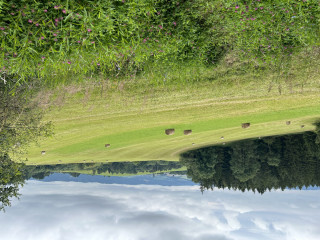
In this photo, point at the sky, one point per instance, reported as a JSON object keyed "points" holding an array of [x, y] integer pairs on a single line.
{"points": [[75, 210]]}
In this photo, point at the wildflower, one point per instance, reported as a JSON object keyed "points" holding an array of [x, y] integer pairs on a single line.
{"points": [[78, 41], [92, 42], [56, 20], [55, 34], [37, 24], [56, 7], [144, 40], [64, 11], [174, 23], [45, 10], [32, 10], [43, 57], [55, 40], [237, 7], [2, 28], [89, 30], [161, 27], [42, 38], [12, 13], [69, 62], [29, 21], [98, 64]]}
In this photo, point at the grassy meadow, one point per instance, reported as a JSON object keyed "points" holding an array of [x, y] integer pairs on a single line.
{"points": [[132, 114], [121, 72]]}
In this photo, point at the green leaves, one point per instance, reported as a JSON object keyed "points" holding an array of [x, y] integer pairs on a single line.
{"points": [[201, 30]]}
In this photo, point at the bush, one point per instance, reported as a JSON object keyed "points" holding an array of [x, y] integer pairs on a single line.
{"points": [[40, 38]]}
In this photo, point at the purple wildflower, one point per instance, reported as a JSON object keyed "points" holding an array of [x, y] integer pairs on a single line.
{"points": [[12, 13], [29, 21], [64, 11], [174, 23], [89, 30], [69, 62], [45, 10], [55, 34], [55, 40], [160, 26]]}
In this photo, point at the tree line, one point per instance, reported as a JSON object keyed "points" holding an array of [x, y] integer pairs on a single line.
{"points": [[276, 162]]}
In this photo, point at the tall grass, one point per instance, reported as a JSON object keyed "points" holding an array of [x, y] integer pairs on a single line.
{"points": [[55, 40]]}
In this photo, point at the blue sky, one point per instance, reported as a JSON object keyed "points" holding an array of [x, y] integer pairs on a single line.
{"points": [[75, 210]]}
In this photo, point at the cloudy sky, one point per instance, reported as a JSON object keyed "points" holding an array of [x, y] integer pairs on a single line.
{"points": [[90, 211]]}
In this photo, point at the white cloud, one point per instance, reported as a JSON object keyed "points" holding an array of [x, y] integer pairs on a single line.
{"points": [[70, 210]]}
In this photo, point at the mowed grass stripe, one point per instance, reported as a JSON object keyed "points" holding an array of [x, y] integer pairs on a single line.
{"points": [[141, 136]]}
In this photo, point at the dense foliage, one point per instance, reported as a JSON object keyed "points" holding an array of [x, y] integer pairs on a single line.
{"points": [[278, 162], [10, 180], [74, 169], [20, 120], [59, 38]]}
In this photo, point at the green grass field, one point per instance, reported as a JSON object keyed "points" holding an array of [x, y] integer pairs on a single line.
{"points": [[133, 115]]}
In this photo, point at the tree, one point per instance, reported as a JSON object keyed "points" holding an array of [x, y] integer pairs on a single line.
{"points": [[20, 117], [20, 124], [10, 180], [244, 161]]}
